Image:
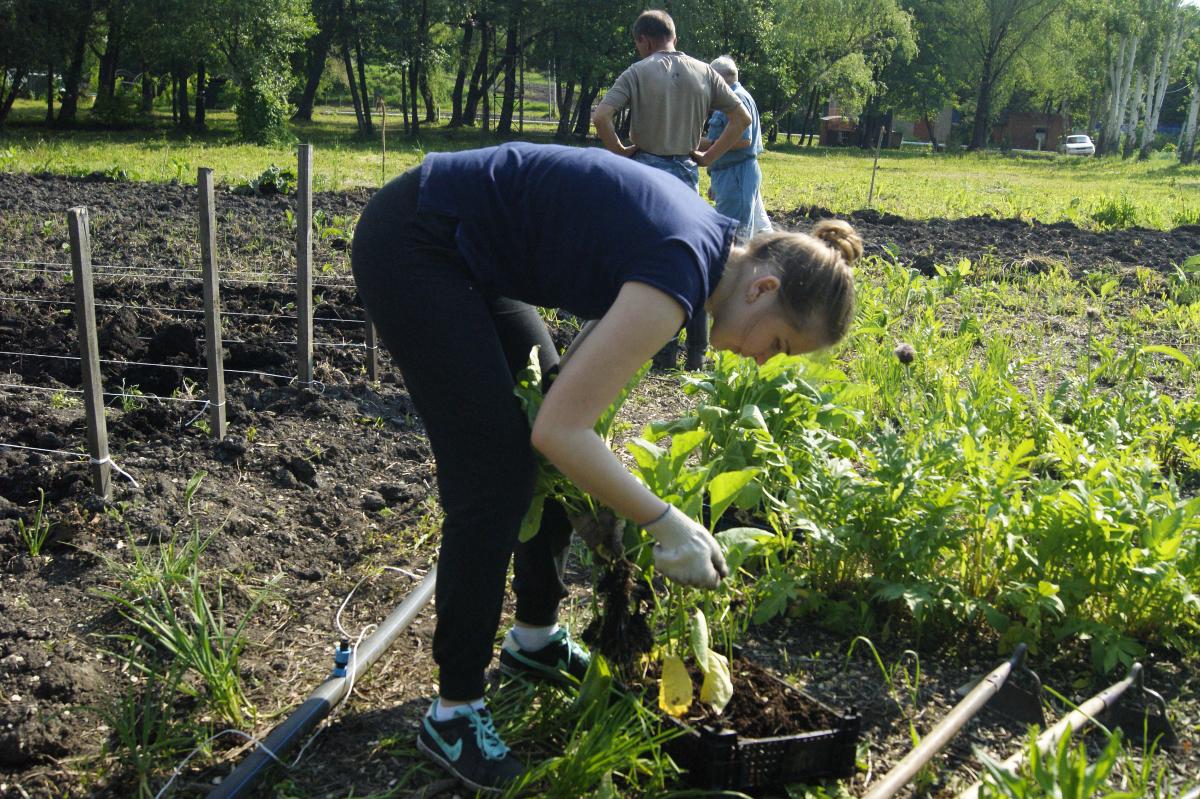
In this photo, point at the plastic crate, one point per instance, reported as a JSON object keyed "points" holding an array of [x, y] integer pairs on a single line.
{"points": [[724, 760]]}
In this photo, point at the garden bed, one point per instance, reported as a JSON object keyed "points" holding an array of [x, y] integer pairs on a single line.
{"points": [[314, 489]]}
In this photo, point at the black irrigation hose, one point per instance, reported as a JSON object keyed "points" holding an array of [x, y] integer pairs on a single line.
{"points": [[326, 697]]}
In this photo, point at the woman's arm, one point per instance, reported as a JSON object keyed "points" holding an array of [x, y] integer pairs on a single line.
{"points": [[628, 335]]}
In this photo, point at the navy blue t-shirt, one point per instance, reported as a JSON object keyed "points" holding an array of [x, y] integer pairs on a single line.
{"points": [[565, 227]]}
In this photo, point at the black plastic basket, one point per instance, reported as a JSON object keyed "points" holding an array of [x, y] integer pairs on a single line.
{"points": [[723, 760]]}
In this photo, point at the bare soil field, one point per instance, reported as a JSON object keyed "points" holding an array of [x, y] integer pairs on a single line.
{"points": [[317, 486]]}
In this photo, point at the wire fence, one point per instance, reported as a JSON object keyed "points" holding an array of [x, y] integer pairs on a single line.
{"points": [[82, 273], [149, 274], [195, 311]]}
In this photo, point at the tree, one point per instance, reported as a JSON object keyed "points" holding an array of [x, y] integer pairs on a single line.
{"points": [[923, 85], [820, 44], [316, 53], [256, 37], [992, 33], [1187, 136], [1174, 30]]}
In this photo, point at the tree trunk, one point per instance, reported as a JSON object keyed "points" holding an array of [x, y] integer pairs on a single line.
{"points": [[147, 89], [316, 52], [983, 105], [368, 127], [404, 100], [414, 94], [185, 115], [106, 87], [1133, 117], [1164, 76], [464, 62], [8, 98], [1120, 76], [1187, 144], [477, 87], [358, 112], [417, 68], [50, 94], [583, 118], [929, 127], [504, 125], [565, 99], [69, 107], [431, 112], [201, 94]]}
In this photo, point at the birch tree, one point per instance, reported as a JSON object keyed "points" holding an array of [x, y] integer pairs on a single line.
{"points": [[1174, 31], [1133, 114], [1120, 74], [1187, 137], [1187, 143]]}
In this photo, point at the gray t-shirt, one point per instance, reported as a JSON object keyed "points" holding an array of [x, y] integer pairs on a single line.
{"points": [[669, 95]]}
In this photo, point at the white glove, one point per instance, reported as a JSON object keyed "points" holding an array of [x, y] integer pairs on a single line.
{"points": [[686, 552]]}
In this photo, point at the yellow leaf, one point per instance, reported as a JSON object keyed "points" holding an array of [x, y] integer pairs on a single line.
{"points": [[717, 689], [675, 687]]}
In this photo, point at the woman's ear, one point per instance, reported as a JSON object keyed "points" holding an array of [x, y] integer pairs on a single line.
{"points": [[761, 287]]}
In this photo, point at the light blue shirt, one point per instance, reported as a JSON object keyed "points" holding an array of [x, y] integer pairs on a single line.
{"points": [[753, 131]]}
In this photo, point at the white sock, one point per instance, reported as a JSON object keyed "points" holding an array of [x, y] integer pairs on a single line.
{"points": [[531, 639], [439, 712]]}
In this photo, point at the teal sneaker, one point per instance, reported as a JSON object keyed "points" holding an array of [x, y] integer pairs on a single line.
{"points": [[561, 660], [469, 747]]}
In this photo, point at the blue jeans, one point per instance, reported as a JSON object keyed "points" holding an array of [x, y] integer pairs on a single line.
{"points": [[681, 166], [735, 189]]}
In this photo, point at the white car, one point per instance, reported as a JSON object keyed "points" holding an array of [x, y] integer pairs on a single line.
{"points": [[1078, 144]]}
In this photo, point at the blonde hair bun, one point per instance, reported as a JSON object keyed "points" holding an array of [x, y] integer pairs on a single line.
{"points": [[841, 237]]}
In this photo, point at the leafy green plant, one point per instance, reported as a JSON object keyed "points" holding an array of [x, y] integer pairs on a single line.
{"points": [[272, 180], [1063, 772]]}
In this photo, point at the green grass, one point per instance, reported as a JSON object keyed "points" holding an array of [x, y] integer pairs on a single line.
{"points": [[1158, 193]]}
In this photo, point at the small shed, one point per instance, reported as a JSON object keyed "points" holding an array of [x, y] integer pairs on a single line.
{"points": [[1028, 130], [838, 131]]}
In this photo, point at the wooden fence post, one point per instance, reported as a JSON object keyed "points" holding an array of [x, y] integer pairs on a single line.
{"points": [[89, 350], [875, 168], [304, 311], [372, 349], [212, 305]]}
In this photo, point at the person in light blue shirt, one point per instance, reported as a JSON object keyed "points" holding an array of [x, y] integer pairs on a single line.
{"points": [[736, 180]]}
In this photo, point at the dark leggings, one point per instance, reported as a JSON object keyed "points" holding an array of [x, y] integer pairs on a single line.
{"points": [[458, 347]]}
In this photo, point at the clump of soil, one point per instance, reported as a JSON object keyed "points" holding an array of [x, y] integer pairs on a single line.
{"points": [[620, 632]]}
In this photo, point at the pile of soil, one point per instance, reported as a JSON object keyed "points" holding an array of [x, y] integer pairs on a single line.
{"points": [[1017, 243], [316, 487]]}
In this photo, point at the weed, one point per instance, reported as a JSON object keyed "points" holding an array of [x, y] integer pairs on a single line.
{"points": [[179, 617], [193, 484], [131, 397], [1114, 212], [145, 733], [34, 534]]}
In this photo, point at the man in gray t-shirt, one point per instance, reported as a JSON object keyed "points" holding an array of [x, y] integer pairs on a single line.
{"points": [[670, 95]]}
